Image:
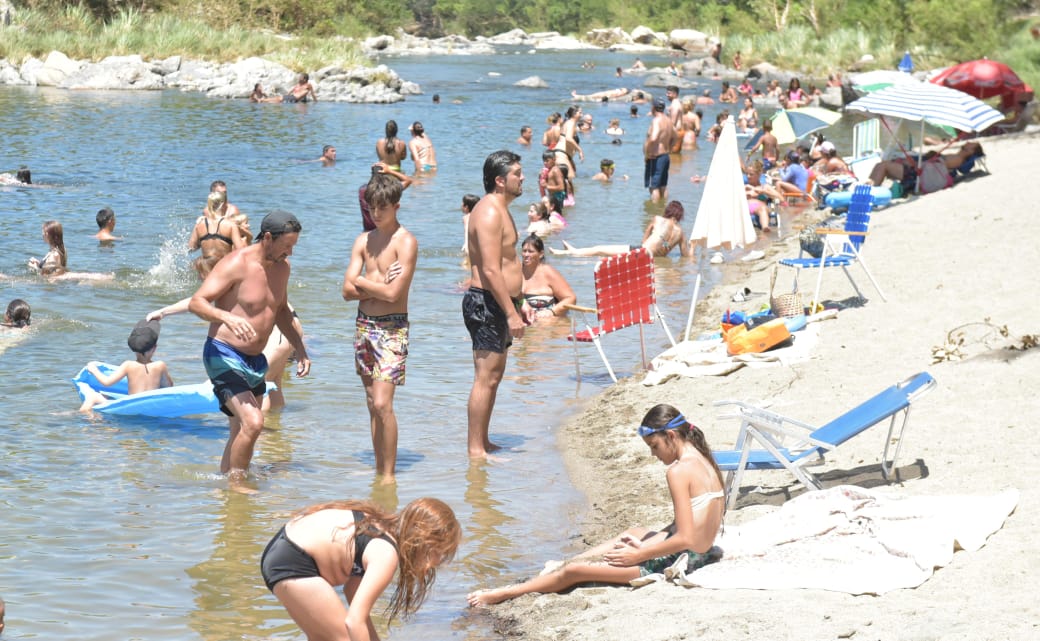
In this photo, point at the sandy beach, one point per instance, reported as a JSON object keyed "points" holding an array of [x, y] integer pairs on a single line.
{"points": [[957, 257]]}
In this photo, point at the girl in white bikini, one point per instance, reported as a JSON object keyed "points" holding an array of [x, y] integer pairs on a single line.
{"points": [[695, 484]]}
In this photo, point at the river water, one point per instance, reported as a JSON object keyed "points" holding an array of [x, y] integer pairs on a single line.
{"points": [[120, 528]]}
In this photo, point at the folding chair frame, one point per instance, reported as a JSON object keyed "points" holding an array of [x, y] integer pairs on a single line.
{"points": [[771, 430]]}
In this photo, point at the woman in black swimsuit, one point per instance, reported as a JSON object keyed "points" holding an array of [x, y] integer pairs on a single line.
{"points": [[214, 234], [359, 546]]}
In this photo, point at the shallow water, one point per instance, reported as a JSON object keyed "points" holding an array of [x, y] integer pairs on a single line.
{"points": [[120, 528]]}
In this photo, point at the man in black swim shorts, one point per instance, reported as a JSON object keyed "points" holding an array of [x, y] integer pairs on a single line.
{"points": [[490, 308]]}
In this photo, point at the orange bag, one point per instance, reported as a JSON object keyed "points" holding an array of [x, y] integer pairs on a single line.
{"points": [[741, 340]]}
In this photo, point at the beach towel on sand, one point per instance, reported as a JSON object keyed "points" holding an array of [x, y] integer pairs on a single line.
{"points": [[851, 539]]}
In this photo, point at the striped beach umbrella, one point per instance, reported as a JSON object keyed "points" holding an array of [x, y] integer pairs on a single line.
{"points": [[924, 101]]}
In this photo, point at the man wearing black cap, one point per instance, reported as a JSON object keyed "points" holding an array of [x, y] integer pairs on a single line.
{"points": [[655, 151], [244, 298]]}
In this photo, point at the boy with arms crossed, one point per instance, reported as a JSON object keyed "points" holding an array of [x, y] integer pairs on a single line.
{"points": [[382, 264]]}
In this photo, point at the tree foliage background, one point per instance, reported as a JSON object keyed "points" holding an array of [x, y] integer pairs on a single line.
{"points": [[961, 29]]}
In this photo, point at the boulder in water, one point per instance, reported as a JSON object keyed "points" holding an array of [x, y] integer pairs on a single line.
{"points": [[533, 82]]}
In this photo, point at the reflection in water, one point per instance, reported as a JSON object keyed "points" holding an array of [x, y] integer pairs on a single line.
{"points": [[230, 596], [491, 552]]}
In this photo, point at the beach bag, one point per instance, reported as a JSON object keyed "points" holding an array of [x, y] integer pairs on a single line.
{"points": [[811, 242], [785, 304], [741, 340], [935, 176]]}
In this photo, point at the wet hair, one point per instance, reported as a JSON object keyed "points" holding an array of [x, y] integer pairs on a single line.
{"points": [[326, 148], [525, 128], [572, 111], [496, 165], [605, 163], [543, 212], [214, 202], [634, 110], [213, 186], [425, 531], [18, 313], [391, 136], [725, 84], [549, 154], [699, 112], [661, 415], [469, 201], [674, 210], [23, 176], [417, 128], [55, 235], [534, 241], [383, 190], [104, 216], [672, 88], [436, 98]]}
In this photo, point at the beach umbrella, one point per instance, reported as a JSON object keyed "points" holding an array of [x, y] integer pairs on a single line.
{"points": [[926, 101], [723, 218], [871, 81], [791, 125], [906, 65], [981, 78]]}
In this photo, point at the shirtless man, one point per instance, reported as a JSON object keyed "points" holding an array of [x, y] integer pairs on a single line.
{"points": [[526, 133], [302, 90], [675, 113], [106, 222], [387, 256], [328, 156], [655, 152], [493, 309], [769, 145], [243, 299]]}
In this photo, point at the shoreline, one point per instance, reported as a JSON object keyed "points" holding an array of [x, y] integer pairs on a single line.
{"points": [[944, 260]]}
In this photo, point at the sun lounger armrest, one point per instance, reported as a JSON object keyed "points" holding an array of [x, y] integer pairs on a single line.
{"points": [[826, 231], [579, 308]]}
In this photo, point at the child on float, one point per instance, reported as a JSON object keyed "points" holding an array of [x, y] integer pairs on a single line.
{"points": [[142, 374]]}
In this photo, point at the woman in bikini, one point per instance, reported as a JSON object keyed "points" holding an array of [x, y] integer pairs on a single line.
{"points": [[661, 236], [391, 150], [545, 289], [421, 148], [696, 487], [214, 234], [551, 135], [358, 545], [55, 262]]}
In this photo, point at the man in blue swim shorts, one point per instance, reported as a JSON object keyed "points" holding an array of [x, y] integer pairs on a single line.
{"points": [[655, 151], [244, 298], [489, 310]]}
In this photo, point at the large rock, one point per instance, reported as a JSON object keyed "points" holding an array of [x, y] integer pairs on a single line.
{"points": [[56, 68], [607, 37], [647, 36], [533, 82], [513, 38], [9, 74], [689, 40], [563, 43], [115, 72]]}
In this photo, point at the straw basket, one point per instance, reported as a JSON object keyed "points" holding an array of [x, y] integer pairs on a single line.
{"points": [[784, 305]]}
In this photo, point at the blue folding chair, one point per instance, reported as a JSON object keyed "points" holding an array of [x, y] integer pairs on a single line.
{"points": [[791, 444], [850, 250]]}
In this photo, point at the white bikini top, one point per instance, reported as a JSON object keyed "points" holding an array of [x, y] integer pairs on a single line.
{"points": [[705, 499]]}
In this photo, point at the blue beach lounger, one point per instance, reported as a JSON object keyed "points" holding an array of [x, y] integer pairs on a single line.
{"points": [[791, 444]]}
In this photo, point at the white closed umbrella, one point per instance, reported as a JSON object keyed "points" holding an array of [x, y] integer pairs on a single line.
{"points": [[723, 218]]}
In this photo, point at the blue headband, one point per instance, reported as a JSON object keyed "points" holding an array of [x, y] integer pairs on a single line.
{"points": [[673, 424]]}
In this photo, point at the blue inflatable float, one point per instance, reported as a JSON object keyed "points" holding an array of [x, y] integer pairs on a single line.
{"points": [[841, 199], [167, 402]]}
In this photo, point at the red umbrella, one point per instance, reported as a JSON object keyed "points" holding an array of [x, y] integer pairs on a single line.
{"points": [[982, 78]]}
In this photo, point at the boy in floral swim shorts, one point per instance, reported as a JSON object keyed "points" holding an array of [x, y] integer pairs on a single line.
{"points": [[382, 263]]}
